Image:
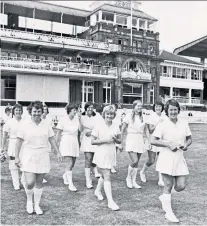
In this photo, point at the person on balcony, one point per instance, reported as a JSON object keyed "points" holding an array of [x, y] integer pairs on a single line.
{"points": [[105, 135], [136, 130], [32, 139], [67, 129], [154, 119], [173, 137], [87, 125], [10, 133]]}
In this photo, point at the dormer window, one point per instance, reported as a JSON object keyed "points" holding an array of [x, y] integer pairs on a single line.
{"points": [[108, 16], [121, 20]]}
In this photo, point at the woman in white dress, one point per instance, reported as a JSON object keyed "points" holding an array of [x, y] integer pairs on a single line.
{"points": [[87, 124], [136, 129], [10, 132], [105, 135], [154, 119], [67, 129], [173, 137], [32, 138]]}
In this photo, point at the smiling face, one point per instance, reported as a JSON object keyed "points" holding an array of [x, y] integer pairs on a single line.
{"points": [[173, 112], [45, 110], [90, 110], [158, 109], [36, 114], [73, 112], [138, 107], [109, 116], [17, 112]]}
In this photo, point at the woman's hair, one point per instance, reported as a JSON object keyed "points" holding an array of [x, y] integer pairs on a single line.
{"points": [[70, 107], [7, 109], [133, 111], [171, 102], [158, 103], [87, 105], [17, 106], [107, 109], [46, 107], [35, 104]]}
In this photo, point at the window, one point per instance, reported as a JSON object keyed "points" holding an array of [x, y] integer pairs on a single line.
{"points": [[195, 75], [88, 92], [51, 58], [4, 55], [108, 16], [139, 44], [132, 92], [119, 41], [23, 56], [121, 20], [97, 17], [152, 96], [180, 73], [141, 24], [13, 55], [134, 22], [107, 92], [8, 87], [150, 25], [42, 58], [33, 57]]}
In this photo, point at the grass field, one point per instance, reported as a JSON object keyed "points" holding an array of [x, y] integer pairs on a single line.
{"points": [[62, 207]]}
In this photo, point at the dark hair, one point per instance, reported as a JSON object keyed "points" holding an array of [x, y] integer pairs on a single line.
{"points": [[99, 108], [158, 103], [171, 102], [17, 106], [7, 109], [116, 106], [69, 108], [35, 104], [87, 105], [46, 107]]}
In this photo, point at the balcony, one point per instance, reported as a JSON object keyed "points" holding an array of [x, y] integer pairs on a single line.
{"points": [[56, 68], [185, 100], [131, 49], [53, 40], [136, 76]]}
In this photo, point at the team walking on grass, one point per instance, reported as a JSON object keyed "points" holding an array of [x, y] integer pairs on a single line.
{"points": [[99, 135]]}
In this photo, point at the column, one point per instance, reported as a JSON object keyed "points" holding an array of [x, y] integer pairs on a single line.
{"points": [[190, 94], [3, 11], [33, 16], [61, 21], [171, 92], [83, 92]]}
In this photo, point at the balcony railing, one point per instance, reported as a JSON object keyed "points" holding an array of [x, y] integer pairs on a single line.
{"points": [[54, 39], [58, 66], [136, 75], [185, 100]]}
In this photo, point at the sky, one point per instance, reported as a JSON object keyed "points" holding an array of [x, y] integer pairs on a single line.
{"points": [[179, 22]]}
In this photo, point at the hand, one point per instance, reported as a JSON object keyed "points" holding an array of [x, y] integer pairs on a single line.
{"points": [[79, 115], [184, 148], [59, 157], [17, 162], [120, 147], [173, 147], [109, 141], [88, 134]]}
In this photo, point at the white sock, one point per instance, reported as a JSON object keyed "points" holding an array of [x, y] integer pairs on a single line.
{"points": [[107, 189], [37, 195], [29, 193]]}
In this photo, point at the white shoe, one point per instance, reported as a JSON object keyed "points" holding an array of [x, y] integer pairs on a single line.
{"points": [[89, 185], [38, 210], [113, 206], [16, 188], [65, 181], [44, 181], [171, 217], [97, 175], [113, 170], [135, 185], [71, 187], [142, 176], [98, 195], [30, 209], [161, 183], [129, 183]]}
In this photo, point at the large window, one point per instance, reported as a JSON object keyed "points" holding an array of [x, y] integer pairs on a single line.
{"points": [[165, 71], [88, 92], [180, 73], [108, 16], [142, 24], [8, 87], [152, 96], [107, 92], [132, 92], [121, 20], [196, 75]]}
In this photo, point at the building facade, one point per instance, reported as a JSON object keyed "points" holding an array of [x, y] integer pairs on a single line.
{"points": [[181, 79], [58, 54]]}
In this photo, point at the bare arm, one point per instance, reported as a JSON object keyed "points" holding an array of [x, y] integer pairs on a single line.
{"points": [[123, 130], [5, 137], [163, 143], [151, 128], [57, 136], [55, 146], [18, 146], [188, 143], [95, 141]]}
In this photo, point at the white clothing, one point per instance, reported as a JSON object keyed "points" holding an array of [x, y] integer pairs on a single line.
{"points": [[34, 155], [11, 127], [105, 154], [50, 122], [88, 125], [69, 145], [135, 134], [169, 162]]}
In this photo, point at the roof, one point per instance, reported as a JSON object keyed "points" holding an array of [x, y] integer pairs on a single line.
{"points": [[120, 10], [196, 48], [49, 7], [165, 55]]}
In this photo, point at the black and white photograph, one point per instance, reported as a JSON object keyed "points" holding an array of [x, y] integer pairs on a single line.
{"points": [[103, 112]]}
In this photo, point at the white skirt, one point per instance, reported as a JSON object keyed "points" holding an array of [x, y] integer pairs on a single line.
{"points": [[86, 145], [69, 146], [155, 149], [135, 143], [11, 147], [105, 156], [35, 160], [171, 163]]}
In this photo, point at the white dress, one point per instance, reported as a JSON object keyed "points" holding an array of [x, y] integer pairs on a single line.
{"points": [[50, 122], [169, 162], [154, 119], [69, 145], [34, 155], [11, 127], [135, 134], [88, 125], [105, 154]]}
